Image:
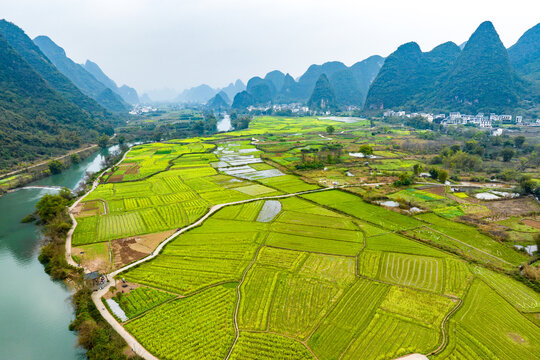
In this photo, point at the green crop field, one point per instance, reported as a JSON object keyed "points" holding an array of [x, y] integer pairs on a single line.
{"points": [[488, 327], [261, 346], [321, 275], [353, 205], [203, 320], [140, 300]]}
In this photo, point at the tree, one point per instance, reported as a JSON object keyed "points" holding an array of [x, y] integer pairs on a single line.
{"points": [[434, 173], [417, 169], [443, 176], [519, 140], [121, 139], [405, 179], [527, 184], [50, 206], [330, 129], [366, 149], [507, 154], [75, 159], [56, 167], [103, 141]]}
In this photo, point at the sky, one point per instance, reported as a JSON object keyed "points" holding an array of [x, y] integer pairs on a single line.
{"points": [[177, 44]]}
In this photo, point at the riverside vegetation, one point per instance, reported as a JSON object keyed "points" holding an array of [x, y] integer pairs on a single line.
{"points": [[325, 274], [94, 333]]}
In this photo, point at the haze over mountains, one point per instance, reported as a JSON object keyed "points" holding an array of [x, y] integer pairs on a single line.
{"points": [[350, 84], [49, 103], [478, 75], [89, 78]]}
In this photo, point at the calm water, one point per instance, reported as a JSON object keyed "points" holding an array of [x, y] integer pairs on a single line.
{"points": [[35, 312], [224, 124]]}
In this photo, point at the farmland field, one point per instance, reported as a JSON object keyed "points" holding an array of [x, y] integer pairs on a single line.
{"points": [[326, 274]]}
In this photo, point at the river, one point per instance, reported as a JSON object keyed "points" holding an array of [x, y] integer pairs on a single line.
{"points": [[224, 124], [35, 311]]}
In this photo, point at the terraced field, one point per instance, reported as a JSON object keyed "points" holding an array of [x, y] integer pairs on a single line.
{"points": [[323, 275]]}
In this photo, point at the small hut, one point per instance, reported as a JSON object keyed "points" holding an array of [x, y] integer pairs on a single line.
{"points": [[95, 280]]}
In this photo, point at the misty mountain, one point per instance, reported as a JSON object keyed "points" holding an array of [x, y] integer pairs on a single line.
{"points": [[350, 84], [31, 53], [145, 99], [127, 93], [365, 72], [277, 78], [525, 54], [242, 100], [35, 119], [289, 90], [198, 94], [346, 88], [85, 81], [218, 102], [323, 96], [234, 88], [262, 90]]}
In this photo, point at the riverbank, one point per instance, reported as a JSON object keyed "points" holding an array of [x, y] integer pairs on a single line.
{"points": [[21, 177], [94, 334], [36, 310]]}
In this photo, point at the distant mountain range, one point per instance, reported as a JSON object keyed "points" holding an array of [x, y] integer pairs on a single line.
{"points": [[349, 84], [42, 112], [203, 93], [483, 76], [478, 75]]}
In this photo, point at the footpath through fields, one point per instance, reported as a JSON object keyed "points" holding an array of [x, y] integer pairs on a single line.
{"points": [[97, 295]]}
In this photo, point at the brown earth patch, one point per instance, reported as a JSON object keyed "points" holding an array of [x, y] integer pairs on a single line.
{"points": [[115, 178], [516, 338], [437, 190], [513, 207], [531, 223], [128, 250], [133, 170]]}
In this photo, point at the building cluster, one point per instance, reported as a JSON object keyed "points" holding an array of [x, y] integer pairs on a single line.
{"points": [[295, 108], [139, 109], [456, 118]]}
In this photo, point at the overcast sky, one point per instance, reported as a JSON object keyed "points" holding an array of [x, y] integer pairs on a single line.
{"points": [[151, 44]]}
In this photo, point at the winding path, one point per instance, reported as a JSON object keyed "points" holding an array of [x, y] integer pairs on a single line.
{"points": [[69, 235], [97, 295]]}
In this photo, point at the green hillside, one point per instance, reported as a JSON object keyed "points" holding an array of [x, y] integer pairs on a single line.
{"points": [[35, 120], [30, 52]]}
